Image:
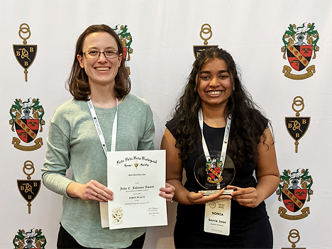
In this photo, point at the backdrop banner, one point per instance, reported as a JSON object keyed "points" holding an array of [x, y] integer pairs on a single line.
{"points": [[281, 49]]}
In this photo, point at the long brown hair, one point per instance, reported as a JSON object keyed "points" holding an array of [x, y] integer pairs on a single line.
{"points": [[78, 81]]}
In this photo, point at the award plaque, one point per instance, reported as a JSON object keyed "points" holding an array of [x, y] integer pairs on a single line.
{"points": [[212, 175]]}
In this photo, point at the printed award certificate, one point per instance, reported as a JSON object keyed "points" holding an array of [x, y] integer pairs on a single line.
{"points": [[135, 178]]}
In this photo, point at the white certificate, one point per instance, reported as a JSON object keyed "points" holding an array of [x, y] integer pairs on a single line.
{"points": [[135, 178]]}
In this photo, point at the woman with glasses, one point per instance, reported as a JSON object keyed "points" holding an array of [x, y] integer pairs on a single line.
{"points": [[218, 134], [80, 133]]}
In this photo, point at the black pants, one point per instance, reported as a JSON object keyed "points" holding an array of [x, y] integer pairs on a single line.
{"points": [[66, 241]]}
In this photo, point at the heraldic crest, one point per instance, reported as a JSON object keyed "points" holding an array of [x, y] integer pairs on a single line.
{"points": [[300, 46], [30, 239], [294, 190], [27, 120]]}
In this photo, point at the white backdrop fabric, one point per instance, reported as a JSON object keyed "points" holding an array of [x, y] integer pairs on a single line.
{"points": [[163, 34]]}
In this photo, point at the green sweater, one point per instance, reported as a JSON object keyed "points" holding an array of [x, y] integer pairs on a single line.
{"points": [[73, 142]]}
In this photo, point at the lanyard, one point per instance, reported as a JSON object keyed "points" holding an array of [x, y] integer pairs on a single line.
{"points": [[98, 128], [225, 142]]}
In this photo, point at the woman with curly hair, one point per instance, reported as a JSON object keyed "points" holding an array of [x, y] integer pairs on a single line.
{"points": [[214, 94]]}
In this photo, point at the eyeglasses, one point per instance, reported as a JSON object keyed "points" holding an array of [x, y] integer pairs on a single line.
{"points": [[94, 54]]}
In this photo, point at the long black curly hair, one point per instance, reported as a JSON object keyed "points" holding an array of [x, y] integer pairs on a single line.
{"points": [[247, 125]]}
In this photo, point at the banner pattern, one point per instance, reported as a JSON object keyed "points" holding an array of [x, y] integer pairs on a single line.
{"points": [[281, 49]]}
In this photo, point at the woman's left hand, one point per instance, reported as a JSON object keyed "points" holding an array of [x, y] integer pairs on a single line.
{"points": [[247, 197], [167, 192]]}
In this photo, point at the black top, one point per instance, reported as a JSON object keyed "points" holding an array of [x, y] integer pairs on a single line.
{"points": [[191, 217]]}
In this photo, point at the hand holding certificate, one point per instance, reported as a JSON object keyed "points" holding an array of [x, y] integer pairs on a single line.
{"points": [[135, 178]]}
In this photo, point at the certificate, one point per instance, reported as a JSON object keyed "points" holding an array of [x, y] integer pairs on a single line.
{"points": [[135, 178]]}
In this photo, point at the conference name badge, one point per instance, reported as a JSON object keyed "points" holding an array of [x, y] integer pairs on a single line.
{"points": [[218, 217]]}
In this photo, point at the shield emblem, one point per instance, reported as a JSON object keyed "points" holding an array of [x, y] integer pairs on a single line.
{"points": [[294, 199], [299, 56], [297, 127], [29, 189], [214, 173], [27, 129], [25, 54]]}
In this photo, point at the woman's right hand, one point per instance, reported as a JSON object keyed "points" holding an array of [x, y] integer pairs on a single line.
{"points": [[200, 198], [92, 190]]}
